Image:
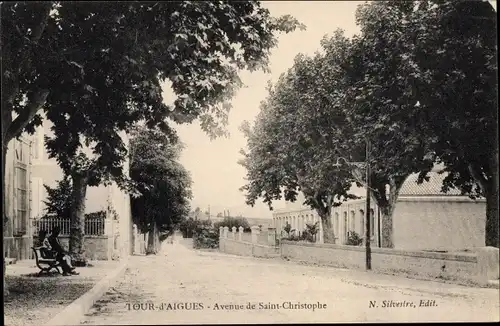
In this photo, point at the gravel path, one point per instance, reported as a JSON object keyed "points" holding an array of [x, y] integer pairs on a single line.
{"points": [[35, 300], [217, 284]]}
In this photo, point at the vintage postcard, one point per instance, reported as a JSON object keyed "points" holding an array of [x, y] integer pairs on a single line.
{"points": [[263, 162]]}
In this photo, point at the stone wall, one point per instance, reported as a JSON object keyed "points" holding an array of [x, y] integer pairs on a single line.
{"points": [[237, 243], [96, 247], [478, 266]]}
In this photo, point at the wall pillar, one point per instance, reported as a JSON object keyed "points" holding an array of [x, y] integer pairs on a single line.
{"points": [[255, 234], [233, 233], [226, 231], [271, 236], [240, 233], [108, 231]]}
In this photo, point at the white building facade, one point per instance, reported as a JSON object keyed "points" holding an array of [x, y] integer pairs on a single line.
{"points": [[109, 199], [425, 218]]}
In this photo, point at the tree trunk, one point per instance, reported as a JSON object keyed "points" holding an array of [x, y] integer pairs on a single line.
{"points": [[328, 233], [77, 222], [4, 212], [492, 209], [387, 208], [387, 225], [491, 232], [152, 240]]}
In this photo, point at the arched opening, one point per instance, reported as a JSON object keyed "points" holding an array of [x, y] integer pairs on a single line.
{"points": [[346, 234]]}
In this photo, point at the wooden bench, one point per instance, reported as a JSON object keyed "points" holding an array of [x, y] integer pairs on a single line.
{"points": [[44, 257]]}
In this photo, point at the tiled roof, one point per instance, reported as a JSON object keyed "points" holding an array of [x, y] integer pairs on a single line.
{"points": [[427, 188]]}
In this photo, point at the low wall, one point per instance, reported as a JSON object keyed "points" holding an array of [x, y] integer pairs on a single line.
{"points": [[95, 246], [478, 267], [243, 248]]}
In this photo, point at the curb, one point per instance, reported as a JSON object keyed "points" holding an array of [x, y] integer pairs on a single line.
{"points": [[72, 314]]}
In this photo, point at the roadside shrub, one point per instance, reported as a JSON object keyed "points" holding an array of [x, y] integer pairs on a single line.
{"points": [[205, 236], [188, 226], [233, 221], [287, 228], [353, 239], [310, 232]]}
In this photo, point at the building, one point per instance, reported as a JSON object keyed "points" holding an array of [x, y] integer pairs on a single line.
{"points": [[425, 218], [113, 238], [17, 231]]}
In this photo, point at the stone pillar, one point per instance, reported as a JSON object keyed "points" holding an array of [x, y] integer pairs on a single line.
{"points": [[255, 234], [221, 232], [240, 233], [226, 231], [271, 236], [233, 233], [108, 231]]}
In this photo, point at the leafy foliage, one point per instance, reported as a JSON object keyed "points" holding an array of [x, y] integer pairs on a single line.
{"points": [[287, 228], [96, 69], [163, 183], [188, 226], [205, 236], [58, 203], [381, 86], [353, 239], [231, 222]]}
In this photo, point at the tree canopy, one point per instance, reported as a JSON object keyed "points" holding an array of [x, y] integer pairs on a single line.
{"points": [[382, 86], [163, 184]]}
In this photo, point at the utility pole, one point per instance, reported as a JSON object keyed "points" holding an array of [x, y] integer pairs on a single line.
{"points": [[367, 214]]}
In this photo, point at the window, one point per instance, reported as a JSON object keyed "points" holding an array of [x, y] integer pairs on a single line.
{"points": [[21, 219], [353, 221]]}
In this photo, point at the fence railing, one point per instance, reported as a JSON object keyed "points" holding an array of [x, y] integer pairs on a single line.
{"points": [[93, 226]]}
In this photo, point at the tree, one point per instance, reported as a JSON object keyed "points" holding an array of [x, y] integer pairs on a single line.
{"points": [[298, 135], [58, 203], [96, 68], [428, 71], [457, 55], [380, 103], [163, 184]]}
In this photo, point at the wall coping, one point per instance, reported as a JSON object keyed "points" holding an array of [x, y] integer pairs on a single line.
{"points": [[454, 199], [465, 257], [250, 243]]}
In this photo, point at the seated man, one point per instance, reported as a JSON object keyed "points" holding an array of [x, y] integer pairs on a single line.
{"points": [[61, 255]]}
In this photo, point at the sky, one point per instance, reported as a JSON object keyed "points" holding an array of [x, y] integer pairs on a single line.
{"points": [[213, 165]]}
